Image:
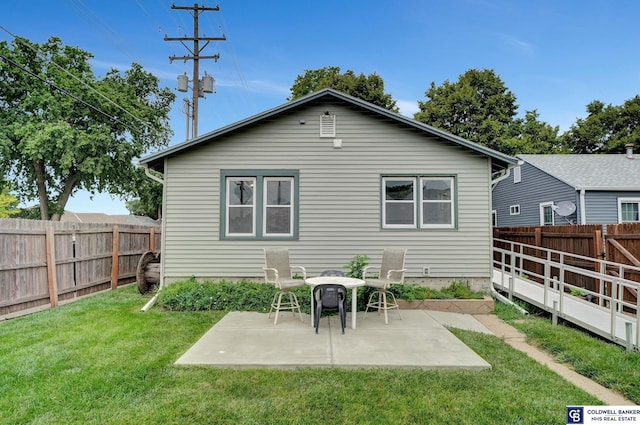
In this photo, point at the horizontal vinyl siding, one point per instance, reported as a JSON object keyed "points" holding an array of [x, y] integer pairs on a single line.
{"points": [[535, 188], [339, 198], [602, 207]]}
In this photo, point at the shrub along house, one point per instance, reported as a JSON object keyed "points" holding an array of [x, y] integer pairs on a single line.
{"points": [[328, 176]]}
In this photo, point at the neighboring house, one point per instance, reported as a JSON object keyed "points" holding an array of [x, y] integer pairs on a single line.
{"points": [[330, 177], [569, 189], [72, 217]]}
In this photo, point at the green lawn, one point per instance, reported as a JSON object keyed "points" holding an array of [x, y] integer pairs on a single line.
{"points": [[101, 361], [606, 363]]}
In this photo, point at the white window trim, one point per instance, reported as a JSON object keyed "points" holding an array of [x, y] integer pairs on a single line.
{"points": [[494, 218], [265, 206], [385, 202], [418, 202], [626, 201], [514, 209], [259, 179], [229, 206], [544, 205], [450, 201]]}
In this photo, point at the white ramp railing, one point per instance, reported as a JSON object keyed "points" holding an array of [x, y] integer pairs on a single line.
{"points": [[541, 277]]}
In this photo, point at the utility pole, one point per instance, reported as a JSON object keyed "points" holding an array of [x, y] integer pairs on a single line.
{"points": [[199, 87]]}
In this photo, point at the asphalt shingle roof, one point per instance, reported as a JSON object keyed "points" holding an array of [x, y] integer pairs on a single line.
{"points": [[590, 172], [155, 161]]}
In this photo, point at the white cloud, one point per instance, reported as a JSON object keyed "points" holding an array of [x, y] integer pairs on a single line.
{"points": [[268, 87], [521, 46], [407, 107]]}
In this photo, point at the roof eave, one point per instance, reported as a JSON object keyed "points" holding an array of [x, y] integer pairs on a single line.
{"points": [[608, 189], [155, 161]]}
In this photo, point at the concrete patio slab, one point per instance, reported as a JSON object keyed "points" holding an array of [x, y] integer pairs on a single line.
{"points": [[459, 321], [417, 341]]}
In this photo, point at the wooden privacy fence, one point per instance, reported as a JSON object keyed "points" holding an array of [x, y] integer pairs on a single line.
{"points": [[620, 244], [43, 263], [582, 240]]}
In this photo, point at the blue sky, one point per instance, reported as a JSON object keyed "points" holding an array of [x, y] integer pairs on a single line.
{"points": [[555, 56]]}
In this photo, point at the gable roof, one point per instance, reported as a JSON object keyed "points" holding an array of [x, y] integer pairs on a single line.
{"points": [[590, 171], [155, 161]]}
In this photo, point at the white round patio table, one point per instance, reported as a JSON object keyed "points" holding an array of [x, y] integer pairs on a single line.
{"points": [[347, 282]]}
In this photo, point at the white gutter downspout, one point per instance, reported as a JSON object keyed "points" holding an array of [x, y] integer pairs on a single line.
{"points": [[153, 300], [497, 295], [151, 176], [506, 175], [583, 208], [497, 180]]}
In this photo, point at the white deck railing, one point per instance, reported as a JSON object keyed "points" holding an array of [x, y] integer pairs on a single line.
{"points": [[541, 280]]}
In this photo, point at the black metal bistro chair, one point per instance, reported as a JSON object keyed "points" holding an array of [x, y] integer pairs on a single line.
{"points": [[330, 297]]}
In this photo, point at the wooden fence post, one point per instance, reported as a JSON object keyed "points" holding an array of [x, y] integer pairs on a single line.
{"points": [[598, 252], [538, 243], [50, 237], [114, 258], [152, 239]]}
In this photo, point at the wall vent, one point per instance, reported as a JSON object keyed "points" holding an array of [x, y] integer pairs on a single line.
{"points": [[327, 125], [517, 174]]}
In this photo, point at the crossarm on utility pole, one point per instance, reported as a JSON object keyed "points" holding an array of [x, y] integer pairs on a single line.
{"points": [[195, 56]]}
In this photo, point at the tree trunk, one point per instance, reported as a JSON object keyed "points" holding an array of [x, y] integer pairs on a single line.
{"points": [[64, 196], [38, 166]]}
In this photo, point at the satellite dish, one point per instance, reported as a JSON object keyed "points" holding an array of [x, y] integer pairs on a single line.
{"points": [[565, 208]]}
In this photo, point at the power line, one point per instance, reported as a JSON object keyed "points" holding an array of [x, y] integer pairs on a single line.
{"points": [[207, 81], [180, 25], [99, 25], [221, 24], [65, 92], [50, 61], [149, 15]]}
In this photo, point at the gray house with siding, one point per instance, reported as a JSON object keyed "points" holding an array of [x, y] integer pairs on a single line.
{"points": [[569, 189], [328, 176]]}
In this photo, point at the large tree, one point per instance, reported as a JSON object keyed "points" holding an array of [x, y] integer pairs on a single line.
{"points": [[606, 129], [149, 198], [480, 108], [64, 129], [529, 135], [369, 88], [8, 203], [477, 107]]}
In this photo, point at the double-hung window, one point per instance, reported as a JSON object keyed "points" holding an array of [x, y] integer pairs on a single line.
{"points": [[399, 202], [424, 202], [437, 202], [241, 206], [628, 210], [278, 206], [259, 205], [546, 214]]}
